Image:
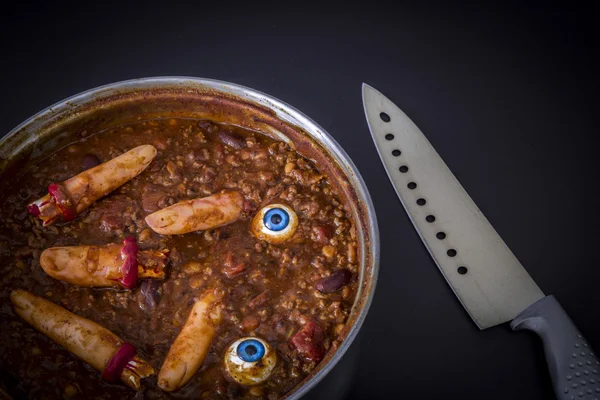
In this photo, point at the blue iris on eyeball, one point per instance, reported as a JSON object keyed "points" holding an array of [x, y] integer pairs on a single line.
{"points": [[251, 350], [249, 360], [276, 219], [274, 223]]}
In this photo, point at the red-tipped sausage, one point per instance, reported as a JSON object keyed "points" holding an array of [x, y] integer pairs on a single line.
{"points": [[66, 200], [102, 266], [88, 340]]}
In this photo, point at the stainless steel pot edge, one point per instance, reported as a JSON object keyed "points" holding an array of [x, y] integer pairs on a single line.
{"points": [[285, 112]]}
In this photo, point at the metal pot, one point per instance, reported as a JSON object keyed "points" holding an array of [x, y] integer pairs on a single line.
{"points": [[183, 97]]}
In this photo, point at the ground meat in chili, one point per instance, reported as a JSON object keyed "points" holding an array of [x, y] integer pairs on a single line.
{"points": [[271, 289]]}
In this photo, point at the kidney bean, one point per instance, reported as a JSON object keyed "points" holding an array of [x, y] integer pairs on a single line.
{"points": [[333, 282], [322, 233], [207, 126], [232, 139], [90, 161], [150, 291]]}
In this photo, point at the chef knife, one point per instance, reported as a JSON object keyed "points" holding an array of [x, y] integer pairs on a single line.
{"points": [[487, 278]]}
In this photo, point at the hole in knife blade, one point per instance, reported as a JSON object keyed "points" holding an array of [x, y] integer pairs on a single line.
{"points": [[430, 218], [412, 185], [440, 235], [396, 153], [403, 169], [421, 202], [384, 117], [451, 253], [462, 270], [389, 136]]}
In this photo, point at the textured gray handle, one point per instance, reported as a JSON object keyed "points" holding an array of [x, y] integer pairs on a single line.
{"points": [[573, 365]]}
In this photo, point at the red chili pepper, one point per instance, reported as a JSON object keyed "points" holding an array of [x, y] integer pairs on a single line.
{"points": [[130, 265], [118, 362], [63, 201]]}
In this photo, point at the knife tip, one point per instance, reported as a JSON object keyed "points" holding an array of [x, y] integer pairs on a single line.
{"points": [[366, 88]]}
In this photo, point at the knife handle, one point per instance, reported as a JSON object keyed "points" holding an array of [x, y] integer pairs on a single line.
{"points": [[573, 365]]}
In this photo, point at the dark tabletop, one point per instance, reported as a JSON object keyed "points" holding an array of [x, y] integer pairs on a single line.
{"points": [[508, 96]]}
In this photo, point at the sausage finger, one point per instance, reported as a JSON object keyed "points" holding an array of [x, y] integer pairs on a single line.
{"points": [[100, 266], [66, 200], [88, 340], [197, 214], [189, 349]]}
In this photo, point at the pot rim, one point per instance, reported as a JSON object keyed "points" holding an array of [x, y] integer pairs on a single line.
{"points": [[288, 114]]}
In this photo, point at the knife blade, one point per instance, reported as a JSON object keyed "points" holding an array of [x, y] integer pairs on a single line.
{"points": [[485, 275]]}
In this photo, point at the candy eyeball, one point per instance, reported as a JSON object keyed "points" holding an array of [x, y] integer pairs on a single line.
{"points": [[249, 361], [276, 219], [275, 223]]}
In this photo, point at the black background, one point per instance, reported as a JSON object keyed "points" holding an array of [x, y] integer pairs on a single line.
{"points": [[507, 94]]}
